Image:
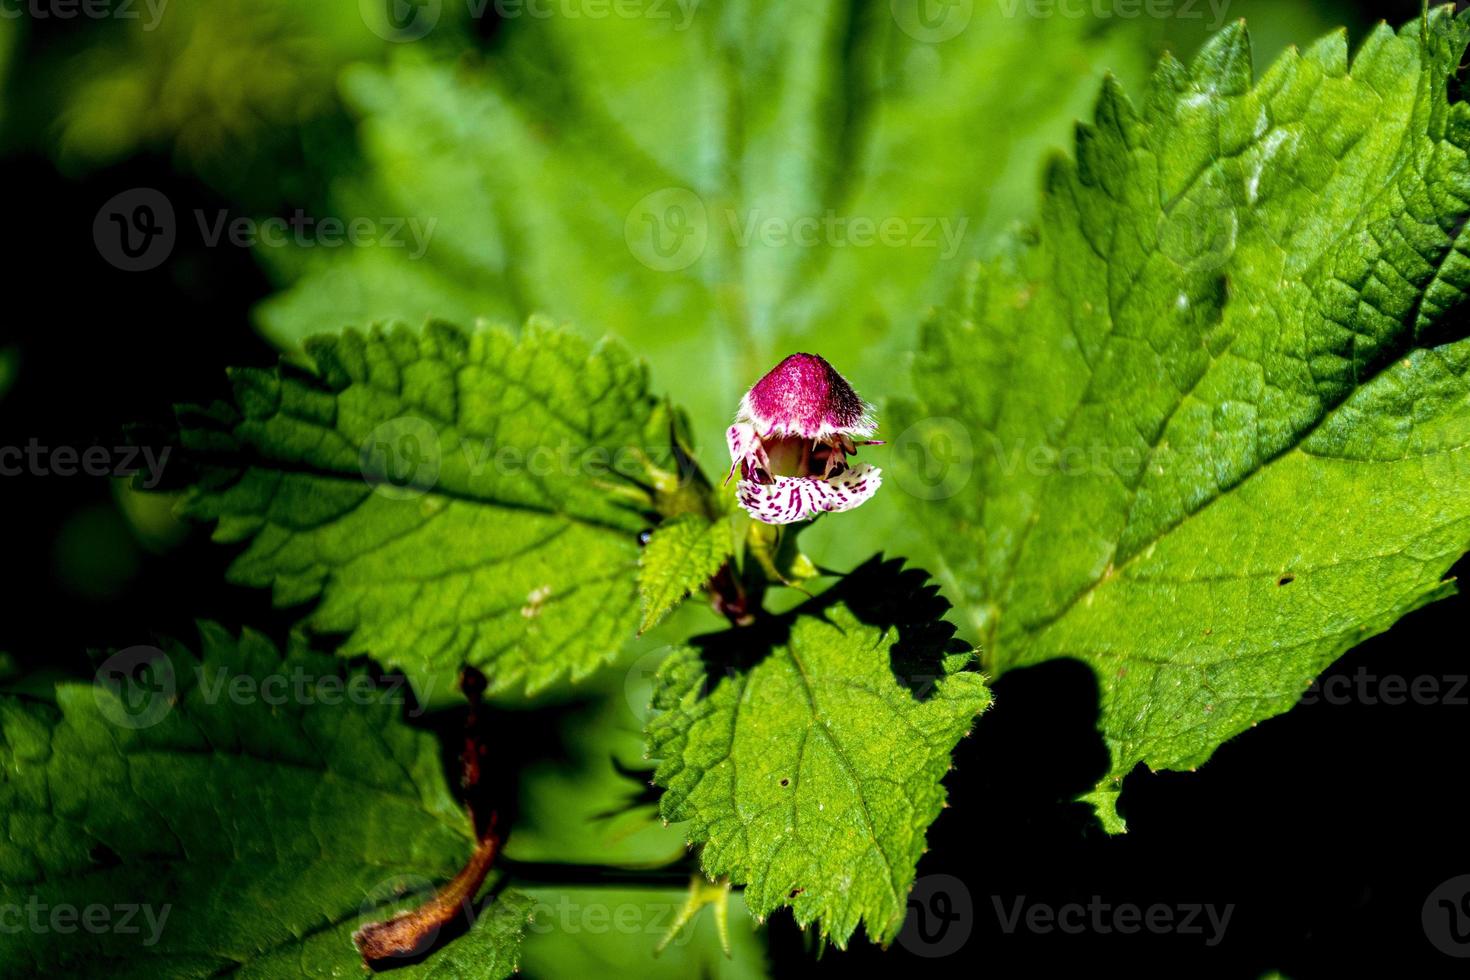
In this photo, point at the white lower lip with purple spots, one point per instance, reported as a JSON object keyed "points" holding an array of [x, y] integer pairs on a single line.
{"points": [[799, 498]]}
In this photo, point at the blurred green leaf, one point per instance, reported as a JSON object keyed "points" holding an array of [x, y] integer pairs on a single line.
{"points": [[581, 932], [811, 775], [584, 797], [9, 38], [235, 812], [449, 498], [1217, 413], [231, 88], [718, 185]]}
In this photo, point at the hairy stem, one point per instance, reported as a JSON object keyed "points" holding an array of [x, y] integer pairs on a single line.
{"points": [[414, 932]]}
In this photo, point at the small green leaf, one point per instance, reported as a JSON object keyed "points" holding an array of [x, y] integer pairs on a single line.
{"points": [[235, 812], [1211, 428], [447, 497], [811, 775], [680, 556]]}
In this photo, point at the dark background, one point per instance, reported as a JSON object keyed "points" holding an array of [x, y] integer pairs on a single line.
{"points": [[1326, 828]]}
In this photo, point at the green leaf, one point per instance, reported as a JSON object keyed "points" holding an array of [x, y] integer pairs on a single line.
{"points": [[680, 556], [811, 774], [764, 142], [1209, 429], [235, 812], [449, 498]]}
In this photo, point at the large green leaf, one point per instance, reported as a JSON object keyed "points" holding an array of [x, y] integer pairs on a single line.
{"points": [[549, 170], [1215, 414], [233, 812], [811, 770], [447, 497]]}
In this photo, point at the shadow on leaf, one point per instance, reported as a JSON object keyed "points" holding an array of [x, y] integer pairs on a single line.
{"points": [[879, 593]]}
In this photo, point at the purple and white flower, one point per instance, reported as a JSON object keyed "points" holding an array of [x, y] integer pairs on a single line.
{"points": [[791, 440]]}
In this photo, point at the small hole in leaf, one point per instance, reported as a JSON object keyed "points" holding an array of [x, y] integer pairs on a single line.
{"points": [[785, 782], [1286, 579], [795, 892]]}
